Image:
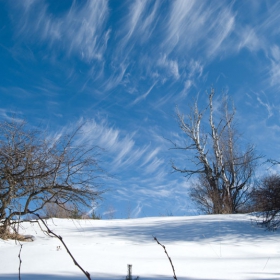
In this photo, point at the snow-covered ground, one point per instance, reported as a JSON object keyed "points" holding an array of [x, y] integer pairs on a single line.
{"points": [[201, 247]]}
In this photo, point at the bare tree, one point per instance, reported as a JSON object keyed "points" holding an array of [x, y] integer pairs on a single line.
{"points": [[266, 199], [37, 170], [224, 169], [54, 210]]}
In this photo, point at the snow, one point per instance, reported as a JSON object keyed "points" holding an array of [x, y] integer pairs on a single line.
{"points": [[201, 247]]}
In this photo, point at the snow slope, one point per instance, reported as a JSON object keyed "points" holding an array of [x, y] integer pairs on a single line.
{"points": [[201, 247]]}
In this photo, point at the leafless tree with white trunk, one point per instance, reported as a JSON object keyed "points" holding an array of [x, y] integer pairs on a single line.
{"points": [[223, 168], [36, 170]]}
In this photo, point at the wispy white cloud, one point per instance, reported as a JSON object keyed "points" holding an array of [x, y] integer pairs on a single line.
{"points": [[10, 115], [120, 146], [195, 67], [274, 72], [268, 116], [150, 156], [189, 21], [106, 136], [274, 66], [270, 20], [110, 212], [275, 52], [195, 71], [139, 22], [145, 189], [154, 166], [137, 210], [221, 30], [158, 193], [134, 17], [159, 189], [144, 96], [266, 105], [131, 162], [80, 31], [261, 33], [118, 73], [171, 66], [249, 39], [132, 31]]}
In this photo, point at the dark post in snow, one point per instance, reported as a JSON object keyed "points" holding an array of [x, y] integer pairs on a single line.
{"points": [[129, 272]]}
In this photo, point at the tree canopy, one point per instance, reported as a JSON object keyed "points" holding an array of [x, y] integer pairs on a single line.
{"points": [[36, 169], [223, 168]]}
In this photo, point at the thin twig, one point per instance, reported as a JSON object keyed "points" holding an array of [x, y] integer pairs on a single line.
{"points": [[52, 234], [174, 275], [20, 261]]}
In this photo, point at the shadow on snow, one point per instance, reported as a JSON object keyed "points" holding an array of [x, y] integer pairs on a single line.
{"points": [[107, 277], [176, 229]]}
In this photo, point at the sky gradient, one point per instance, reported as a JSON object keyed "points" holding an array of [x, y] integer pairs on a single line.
{"points": [[123, 66]]}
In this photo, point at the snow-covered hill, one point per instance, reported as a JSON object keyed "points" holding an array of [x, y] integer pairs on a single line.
{"points": [[201, 247]]}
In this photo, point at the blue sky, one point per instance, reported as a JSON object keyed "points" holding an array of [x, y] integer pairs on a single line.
{"points": [[123, 66]]}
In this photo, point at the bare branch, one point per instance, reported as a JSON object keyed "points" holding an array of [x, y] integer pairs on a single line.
{"points": [[20, 261], [35, 171], [174, 274], [224, 170], [52, 234]]}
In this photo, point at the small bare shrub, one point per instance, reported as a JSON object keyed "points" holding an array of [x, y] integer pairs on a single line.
{"points": [[266, 199]]}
